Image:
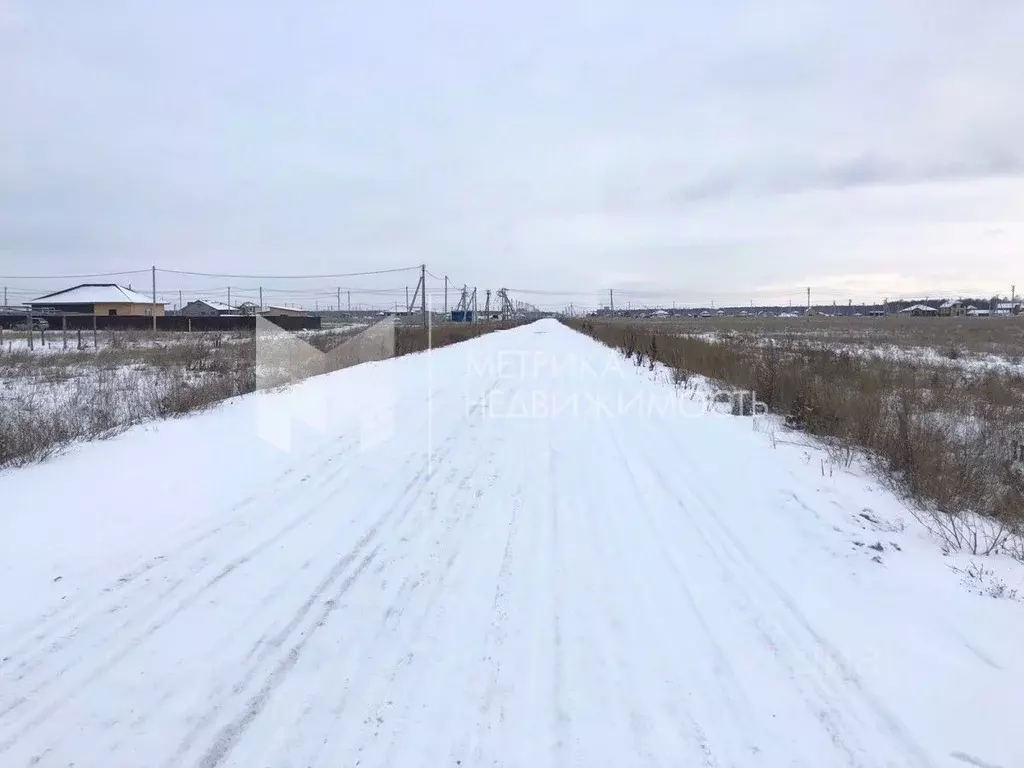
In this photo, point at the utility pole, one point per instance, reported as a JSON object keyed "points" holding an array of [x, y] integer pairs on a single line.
{"points": [[407, 299], [180, 304], [229, 297], [611, 300], [339, 299], [154, 299], [423, 294], [446, 295], [349, 301], [261, 298], [808, 301], [5, 295]]}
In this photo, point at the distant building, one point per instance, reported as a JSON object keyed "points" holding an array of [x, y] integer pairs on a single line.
{"points": [[204, 308], [285, 312], [919, 310], [98, 299], [952, 308]]}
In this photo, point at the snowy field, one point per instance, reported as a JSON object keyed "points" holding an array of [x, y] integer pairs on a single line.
{"points": [[119, 378], [521, 551], [950, 355]]}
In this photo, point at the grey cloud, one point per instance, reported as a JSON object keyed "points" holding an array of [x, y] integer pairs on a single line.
{"points": [[864, 170], [476, 137]]}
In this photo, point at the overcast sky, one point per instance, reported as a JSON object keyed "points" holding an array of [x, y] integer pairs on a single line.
{"points": [[728, 149]]}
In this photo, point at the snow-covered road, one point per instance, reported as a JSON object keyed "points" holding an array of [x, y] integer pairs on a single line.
{"points": [[518, 551]]}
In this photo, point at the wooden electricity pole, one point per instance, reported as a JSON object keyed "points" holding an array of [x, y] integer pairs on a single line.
{"points": [[423, 294], [154, 300]]}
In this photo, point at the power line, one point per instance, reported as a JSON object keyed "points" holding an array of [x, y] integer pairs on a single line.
{"points": [[311, 292], [74, 277], [287, 277]]}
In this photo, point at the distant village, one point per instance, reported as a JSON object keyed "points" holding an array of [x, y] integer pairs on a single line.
{"points": [[994, 307]]}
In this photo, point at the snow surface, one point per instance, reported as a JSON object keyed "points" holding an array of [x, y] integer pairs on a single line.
{"points": [[516, 551]]}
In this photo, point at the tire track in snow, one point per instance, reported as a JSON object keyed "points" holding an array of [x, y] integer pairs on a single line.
{"points": [[833, 702], [266, 499], [399, 682], [727, 681], [407, 501], [110, 661], [452, 538], [404, 676], [562, 721], [754, 592], [495, 638], [95, 612], [63, 619], [611, 636], [139, 616], [665, 658], [822, 706], [230, 734]]}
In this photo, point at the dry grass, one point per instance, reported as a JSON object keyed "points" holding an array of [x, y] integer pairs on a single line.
{"points": [[944, 436], [410, 339], [49, 400], [998, 336]]}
